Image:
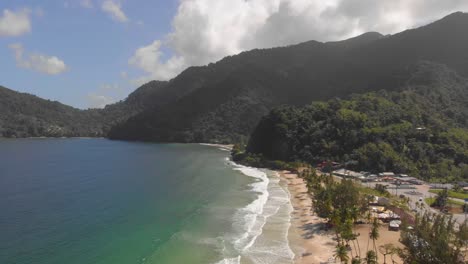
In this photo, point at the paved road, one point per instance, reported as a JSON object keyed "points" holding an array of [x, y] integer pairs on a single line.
{"points": [[424, 193], [420, 192]]}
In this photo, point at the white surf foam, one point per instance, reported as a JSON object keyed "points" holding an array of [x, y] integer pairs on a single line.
{"points": [[235, 260], [271, 204], [272, 246], [219, 146], [249, 220]]}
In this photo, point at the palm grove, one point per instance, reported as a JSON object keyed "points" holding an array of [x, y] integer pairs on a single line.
{"points": [[431, 239]]}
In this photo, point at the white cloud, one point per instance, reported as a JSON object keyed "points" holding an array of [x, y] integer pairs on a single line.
{"points": [[114, 10], [98, 100], [38, 62], [87, 3], [14, 24], [205, 31], [148, 59], [106, 94]]}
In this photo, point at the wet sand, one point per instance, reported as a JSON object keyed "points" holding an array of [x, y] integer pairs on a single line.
{"points": [[309, 240]]}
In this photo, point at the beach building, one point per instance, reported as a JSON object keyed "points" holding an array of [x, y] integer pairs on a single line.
{"points": [[379, 201], [408, 180], [387, 179], [386, 174], [332, 164], [448, 186], [377, 209], [394, 225], [348, 174], [374, 200], [370, 178], [383, 201]]}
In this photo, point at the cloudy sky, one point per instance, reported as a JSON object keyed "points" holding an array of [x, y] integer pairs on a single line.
{"points": [[88, 53]]}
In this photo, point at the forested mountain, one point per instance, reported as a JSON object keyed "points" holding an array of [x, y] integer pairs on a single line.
{"points": [[25, 115], [421, 130], [222, 102]]}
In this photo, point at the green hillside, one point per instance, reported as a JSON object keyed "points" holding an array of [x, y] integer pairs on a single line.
{"points": [[422, 130], [222, 102], [26, 115]]}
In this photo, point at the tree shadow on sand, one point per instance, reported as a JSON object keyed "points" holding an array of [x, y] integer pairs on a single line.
{"points": [[312, 229]]}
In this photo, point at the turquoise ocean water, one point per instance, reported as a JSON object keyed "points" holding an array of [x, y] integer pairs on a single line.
{"points": [[99, 201]]}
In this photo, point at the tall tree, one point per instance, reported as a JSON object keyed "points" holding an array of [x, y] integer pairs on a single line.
{"points": [[341, 253], [371, 257], [374, 234], [387, 249], [434, 239]]}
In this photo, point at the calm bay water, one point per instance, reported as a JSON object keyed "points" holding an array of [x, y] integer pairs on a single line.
{"points": [[100, 201]]}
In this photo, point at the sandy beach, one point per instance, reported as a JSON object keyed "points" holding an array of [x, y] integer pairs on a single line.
{"points": [[315, 245], [307, 230], [385, 237]]}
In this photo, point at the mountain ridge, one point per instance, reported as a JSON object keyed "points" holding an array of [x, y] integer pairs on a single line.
{"points": [[223, 101], [297, 75]]}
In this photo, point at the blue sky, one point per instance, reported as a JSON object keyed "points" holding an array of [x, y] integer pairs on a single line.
{"points": [[88, 53], [94, 47]]}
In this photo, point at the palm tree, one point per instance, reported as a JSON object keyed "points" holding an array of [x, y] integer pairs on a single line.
{"points": [[347, 234], [335, 219], [355, 213], [462, 236], [374, 234], [368, 221], [357, 242], [341, 252], [386, 250], [371, 257]]}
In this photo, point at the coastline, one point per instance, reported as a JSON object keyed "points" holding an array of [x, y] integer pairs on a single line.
{"points": [[261, 226], [219, 146], [308, 239], [306, 235]]}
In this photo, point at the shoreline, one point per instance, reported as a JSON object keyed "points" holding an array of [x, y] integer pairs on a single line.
{"points": [[265, 222], [307, 236], [227, 147]]}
